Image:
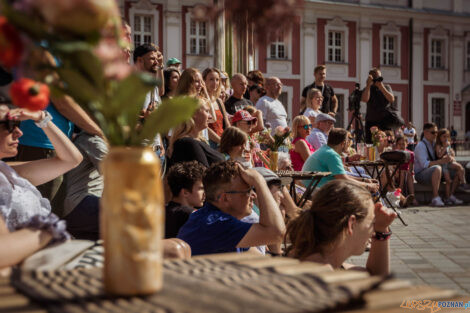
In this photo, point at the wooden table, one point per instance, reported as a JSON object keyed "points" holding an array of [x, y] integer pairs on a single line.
{"points": [[220, 283], [314, 178], [375, 169]]}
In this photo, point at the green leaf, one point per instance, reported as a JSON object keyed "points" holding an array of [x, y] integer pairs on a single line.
{"points": [[170, 113], [78, 87]]}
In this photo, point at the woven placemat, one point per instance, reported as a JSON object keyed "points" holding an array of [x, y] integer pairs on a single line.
{"points": [[197, 285]]}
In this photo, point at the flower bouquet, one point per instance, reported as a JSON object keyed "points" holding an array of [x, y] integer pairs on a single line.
{"points": [[374, 130], [76, 49], [281, 138]]}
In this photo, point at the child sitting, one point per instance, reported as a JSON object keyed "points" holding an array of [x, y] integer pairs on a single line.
{"points": [[406, 173]]}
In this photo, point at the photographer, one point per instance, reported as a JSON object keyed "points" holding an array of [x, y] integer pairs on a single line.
{"points": [[379, 98]]}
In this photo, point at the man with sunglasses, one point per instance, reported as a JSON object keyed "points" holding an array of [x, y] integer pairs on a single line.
{"points": [[319, 135], [428, 168], [217, 227]]}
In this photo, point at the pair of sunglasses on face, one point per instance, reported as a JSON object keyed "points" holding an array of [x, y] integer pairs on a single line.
{"points": [[10, 124], [252, 122], [307, 126]]}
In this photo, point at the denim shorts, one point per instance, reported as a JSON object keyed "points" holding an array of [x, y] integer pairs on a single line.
{"points": [[425, 176]]}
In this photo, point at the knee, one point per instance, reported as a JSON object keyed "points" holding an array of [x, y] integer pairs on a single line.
{"points": [[175, 248], [437, 172]]}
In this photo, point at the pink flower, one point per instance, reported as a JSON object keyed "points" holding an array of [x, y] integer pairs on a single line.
{"points": [[279, 131]]}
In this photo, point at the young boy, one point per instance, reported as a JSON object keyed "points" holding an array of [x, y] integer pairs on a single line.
{"points": [[185, 181]]}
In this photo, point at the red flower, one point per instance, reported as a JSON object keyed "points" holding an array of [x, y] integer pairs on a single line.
{"points": [[11, 46], [29, 94]]}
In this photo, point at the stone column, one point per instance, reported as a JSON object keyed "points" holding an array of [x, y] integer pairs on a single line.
{"points": [[417, 77]]}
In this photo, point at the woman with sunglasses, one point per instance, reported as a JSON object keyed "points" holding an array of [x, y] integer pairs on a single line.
{"points": [[301, 127], [21, 204]]}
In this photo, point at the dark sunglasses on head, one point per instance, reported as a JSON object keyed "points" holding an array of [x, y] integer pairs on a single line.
{"points": [[11, 124], [307, 127]]}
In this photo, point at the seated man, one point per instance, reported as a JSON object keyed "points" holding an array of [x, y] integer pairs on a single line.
{"points": [[185, 181], [319, 136], [428, 168], [217, 228], [328, 159]]}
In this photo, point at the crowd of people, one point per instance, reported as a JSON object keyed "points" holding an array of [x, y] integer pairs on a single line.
{"points": [[221, 195]]}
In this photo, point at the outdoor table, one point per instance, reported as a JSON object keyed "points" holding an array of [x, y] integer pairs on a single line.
{"points": [[314, 178], [219, 283], [375, 169]]}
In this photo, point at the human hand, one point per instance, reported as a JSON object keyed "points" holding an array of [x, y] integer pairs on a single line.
{"points": [[160, 59], [372, 187], [355, 157], [250, 176], [25, 114], [446, 159], [383, 218], [370, 81], [288, 203]]}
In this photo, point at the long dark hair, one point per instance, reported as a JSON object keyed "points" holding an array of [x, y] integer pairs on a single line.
{"points": [[318, 227], [167, 76]]}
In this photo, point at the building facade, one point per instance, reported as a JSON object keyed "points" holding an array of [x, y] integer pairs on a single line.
{"points": [[421, 46]]}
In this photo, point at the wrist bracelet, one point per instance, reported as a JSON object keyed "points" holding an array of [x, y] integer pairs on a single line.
{"points": [[43, 122], [382, 236]]}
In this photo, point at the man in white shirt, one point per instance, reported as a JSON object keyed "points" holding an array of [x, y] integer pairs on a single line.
{"points": [[410, 133], [273, 110]]}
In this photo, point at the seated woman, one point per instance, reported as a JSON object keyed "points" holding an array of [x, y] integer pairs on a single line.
{"points": [[21, 204], [301, 127], [339, 224], [187, 143], [235, 146]]}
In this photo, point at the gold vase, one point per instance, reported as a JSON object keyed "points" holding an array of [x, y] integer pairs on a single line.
{"points": [[273, 157], [132, 221], [371, 153]]}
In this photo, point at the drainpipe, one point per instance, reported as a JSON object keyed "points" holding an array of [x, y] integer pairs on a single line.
{"points": [[410, 65]]}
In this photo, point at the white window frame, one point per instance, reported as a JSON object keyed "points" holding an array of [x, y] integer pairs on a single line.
{"points": [[446, 105], [337, 25], [438, 34], [345, 93], [282, 40], [145, 8], [141, 32], [390, 30], [198, 37], [209, 36]]}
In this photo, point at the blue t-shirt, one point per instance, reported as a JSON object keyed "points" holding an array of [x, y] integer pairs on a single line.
{"points": [[324, 159], [209, 230], [33, 136]]}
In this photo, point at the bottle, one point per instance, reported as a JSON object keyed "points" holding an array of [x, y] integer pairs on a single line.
{"points": [[394, 197]]}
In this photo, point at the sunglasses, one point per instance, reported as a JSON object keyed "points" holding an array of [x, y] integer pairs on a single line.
{"points": [[11, 124], [248, 191], [252, 122], [307, 127]]}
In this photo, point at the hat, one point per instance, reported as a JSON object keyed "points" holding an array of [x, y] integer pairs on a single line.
{"points": [[144, 49], [242, 115], [268, 175], [172, 61], [324, 117]]}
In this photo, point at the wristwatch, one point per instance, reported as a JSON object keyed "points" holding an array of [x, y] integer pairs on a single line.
{"points": [[43, 123]]}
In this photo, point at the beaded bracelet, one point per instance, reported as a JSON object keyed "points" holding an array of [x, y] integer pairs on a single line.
{"points": [[382, 236], [51, 224]]}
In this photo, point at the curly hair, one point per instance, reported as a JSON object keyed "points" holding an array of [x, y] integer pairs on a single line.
{"points": [[318, 227], [184, 175], [217, 176]]}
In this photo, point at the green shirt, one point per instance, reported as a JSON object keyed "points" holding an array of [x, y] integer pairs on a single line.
{"points": [[324, 159]]}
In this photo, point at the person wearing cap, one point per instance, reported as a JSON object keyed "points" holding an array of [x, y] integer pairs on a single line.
{"points": [[319, 135], [328, 159], [148, 58], [174, 63], [217, 227], [243, 120]]}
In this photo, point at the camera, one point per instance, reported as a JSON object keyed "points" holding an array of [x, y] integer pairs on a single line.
{"points": [[378, 79], [355, 99]]}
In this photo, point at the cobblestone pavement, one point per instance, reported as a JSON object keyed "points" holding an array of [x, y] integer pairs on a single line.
{"points": [[433, 249]]}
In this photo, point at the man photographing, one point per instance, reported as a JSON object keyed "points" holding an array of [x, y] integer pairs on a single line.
{"points": [[379, 98]]}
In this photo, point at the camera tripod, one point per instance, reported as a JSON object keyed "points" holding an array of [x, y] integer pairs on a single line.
{"points": [[359, 134]]}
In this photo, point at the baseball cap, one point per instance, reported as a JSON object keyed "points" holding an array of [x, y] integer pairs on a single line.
{"points": [[324, 117], [172, 61], [268, 175], [242, 115]]}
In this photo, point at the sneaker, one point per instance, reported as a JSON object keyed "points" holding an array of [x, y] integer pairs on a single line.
{"points": [[455, 200], [464, 188], [437, 201]]}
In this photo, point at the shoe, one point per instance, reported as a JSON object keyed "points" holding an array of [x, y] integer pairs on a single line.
{"points": [[454, 200], [409, 200], [448, 202], [437, 201], [464, 188]]}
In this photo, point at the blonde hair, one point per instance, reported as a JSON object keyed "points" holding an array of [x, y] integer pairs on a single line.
{"points": [[311, 93], [296, 123], [186, 83]]}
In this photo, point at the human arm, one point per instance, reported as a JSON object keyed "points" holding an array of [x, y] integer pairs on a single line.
{"points": [[259, 121], [302, 148], [366, 92], [378, 262], [334, 104], [371, 186], [387, 92], [74, 113], [213, 135], [159, 75], [271, 227], [67, 155]]}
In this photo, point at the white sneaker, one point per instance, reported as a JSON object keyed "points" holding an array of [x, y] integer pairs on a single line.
{"points": [[437, 201], [455, 200]]}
